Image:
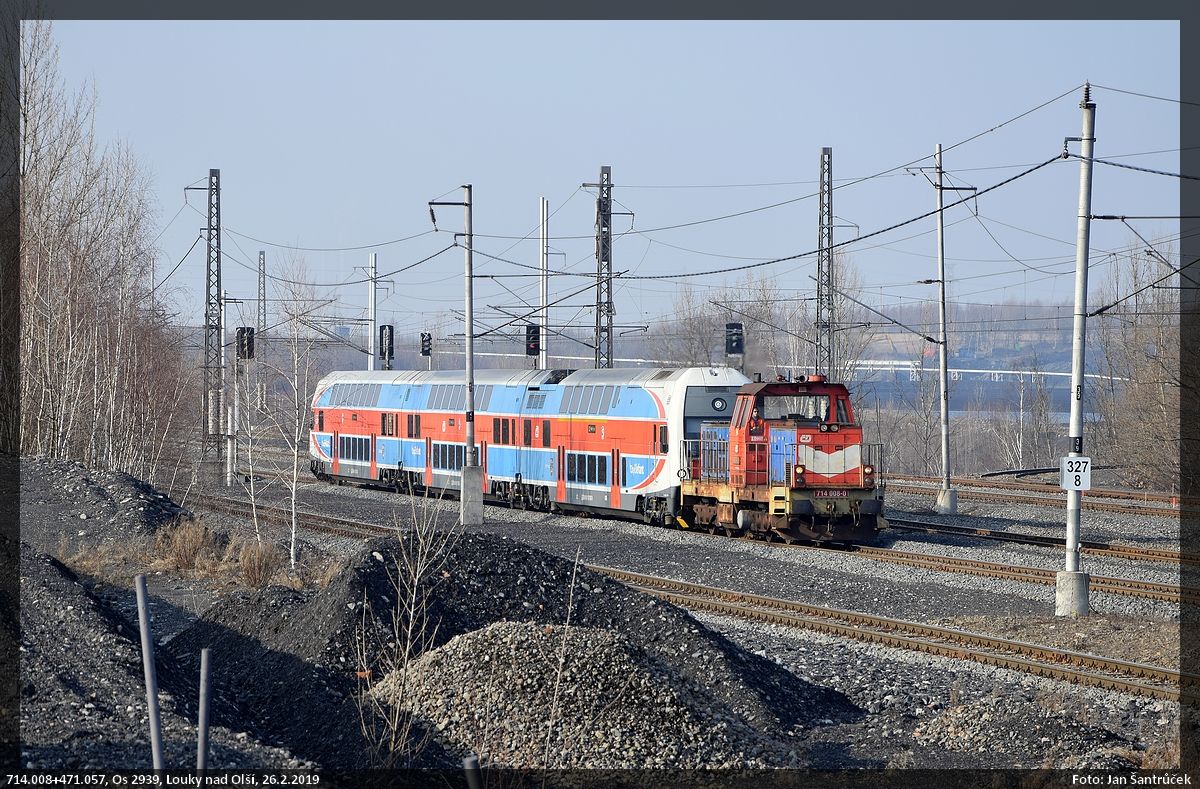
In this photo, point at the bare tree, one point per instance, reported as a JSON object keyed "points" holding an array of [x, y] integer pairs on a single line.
{"points": [[389, 640], [101, 370], [293, 365]]}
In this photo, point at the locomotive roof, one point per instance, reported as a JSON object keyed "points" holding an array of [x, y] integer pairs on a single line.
{"points": [[792, 388]]}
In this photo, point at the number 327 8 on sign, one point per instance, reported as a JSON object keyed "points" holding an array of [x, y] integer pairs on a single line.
{"points": [[1075, 473]]}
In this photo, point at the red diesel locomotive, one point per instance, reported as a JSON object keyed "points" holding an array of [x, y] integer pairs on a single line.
{"points": [[790, 463]]}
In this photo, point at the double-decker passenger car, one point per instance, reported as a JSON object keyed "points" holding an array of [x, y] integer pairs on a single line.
{"points": [[606, 441]]}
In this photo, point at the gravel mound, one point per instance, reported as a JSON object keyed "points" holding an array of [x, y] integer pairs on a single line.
{"points": [[298, 661], [62, 500], [571, 697], [1067, 742], [83, 698]]}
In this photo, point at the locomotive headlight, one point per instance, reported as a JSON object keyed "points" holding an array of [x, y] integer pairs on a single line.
{"points": [[868, 469], [833, 428], [824, 428]]}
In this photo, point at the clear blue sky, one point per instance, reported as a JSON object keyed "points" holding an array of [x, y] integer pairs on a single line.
{"points": [[336, 134]]}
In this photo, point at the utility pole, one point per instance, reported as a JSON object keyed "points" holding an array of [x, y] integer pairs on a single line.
{"points": [[371, 328], [947, 500], [471, 496], [214, 338], [260, 387], [604, 304], [826, 353], [1071, 588], [544, 315]]}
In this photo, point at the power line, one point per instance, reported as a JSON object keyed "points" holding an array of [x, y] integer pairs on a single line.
{"points": [[329, 249], [925, 215], [1132, 167], [1146, 95]]}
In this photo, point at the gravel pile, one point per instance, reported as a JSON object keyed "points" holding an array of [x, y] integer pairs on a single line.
{"points": [[294, 660], [62, 500], [927, 712], [1063, 742], [521, 694], [83, 698]]}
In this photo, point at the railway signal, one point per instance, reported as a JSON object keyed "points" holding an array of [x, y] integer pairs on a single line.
{"points": [[426, 344], [245, 342], [735, 339], [533, 339]]}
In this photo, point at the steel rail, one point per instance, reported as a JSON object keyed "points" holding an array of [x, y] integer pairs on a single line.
{"points": [[1089, 502], [1097, 548]]}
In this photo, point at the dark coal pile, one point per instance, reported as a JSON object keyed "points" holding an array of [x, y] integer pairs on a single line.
{"points": [[521, 694], [1026, 728], [284, 664], [83, 698], [62, 500], [297, 661]]}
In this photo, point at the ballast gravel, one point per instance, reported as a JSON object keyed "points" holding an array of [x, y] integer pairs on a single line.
{"points": [[83, 699], [297, 661], [520, 694]]}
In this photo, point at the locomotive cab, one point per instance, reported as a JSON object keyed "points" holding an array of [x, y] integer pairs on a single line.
{"points": [[791, 462]]}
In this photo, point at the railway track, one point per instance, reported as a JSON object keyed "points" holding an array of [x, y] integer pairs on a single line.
{"points": [[1128, 587], [1079, 668], [1052, 496], [1097, 583], [1076, 667], [1096, 548]]}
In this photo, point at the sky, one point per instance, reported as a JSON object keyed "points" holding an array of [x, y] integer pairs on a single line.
{"points": [[337, 134]]}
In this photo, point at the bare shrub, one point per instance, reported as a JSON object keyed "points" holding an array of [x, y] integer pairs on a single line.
{"points": [[387, 642], [259, 562], [187, 544]]}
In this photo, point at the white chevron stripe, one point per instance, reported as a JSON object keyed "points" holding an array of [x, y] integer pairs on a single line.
{"points": [[829, 464]]}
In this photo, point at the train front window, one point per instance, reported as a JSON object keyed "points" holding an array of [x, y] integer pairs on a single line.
{"points": [[802, 408]]}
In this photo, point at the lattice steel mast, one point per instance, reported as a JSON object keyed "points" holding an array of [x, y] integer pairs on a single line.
{"points": [[213, 371], [826, 348]]}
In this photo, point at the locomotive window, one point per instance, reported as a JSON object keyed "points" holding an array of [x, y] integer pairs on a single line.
{"points": [[602, 470], [496, 430], [591, 469], [320, 420], [570, 468], [460, 397], [576, 396], [616, 394], [528, 433], [485, 398], [408, 425], [625, 474], [375, 390], [842, 416], [662, 439], [811, 408], [459, 455], [504, 431], [545, 432]]}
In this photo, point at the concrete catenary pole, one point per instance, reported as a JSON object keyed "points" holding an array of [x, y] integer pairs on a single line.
{"points": [[947, 500], [472, 474], [544, 313], [372, 329], [1071, 593]]}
